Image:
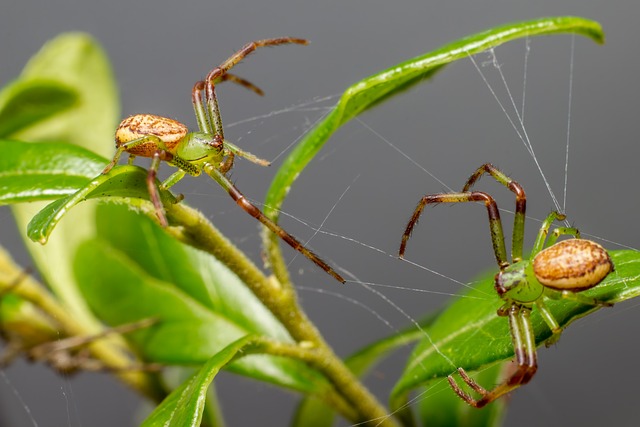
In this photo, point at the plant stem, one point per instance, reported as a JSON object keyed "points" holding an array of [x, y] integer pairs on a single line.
{"points": [[281, 300], [111, 356]]}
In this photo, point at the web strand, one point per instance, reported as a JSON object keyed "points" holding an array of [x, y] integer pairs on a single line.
{"points": [[15, 392], [520, 131], [566, 159]]}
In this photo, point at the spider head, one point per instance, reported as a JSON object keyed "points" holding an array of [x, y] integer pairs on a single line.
{"points": [[518, 283], [200, 147]]}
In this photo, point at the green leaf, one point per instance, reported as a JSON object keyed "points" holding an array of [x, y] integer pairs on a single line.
{"points": [[136, 271], [74, 61], [184, 406], [470, 334], [374, 89], [31, 172], [123, 184], [25, 103], [40, 171]]}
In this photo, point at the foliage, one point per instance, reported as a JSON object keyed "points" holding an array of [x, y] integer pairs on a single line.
{"points": [[210, 306]]}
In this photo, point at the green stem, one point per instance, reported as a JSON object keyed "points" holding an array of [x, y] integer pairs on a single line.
{"points": [[112, 357], [194, 229]]}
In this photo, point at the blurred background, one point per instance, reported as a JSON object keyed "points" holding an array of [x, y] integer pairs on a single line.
{"points": [[373, 171]]}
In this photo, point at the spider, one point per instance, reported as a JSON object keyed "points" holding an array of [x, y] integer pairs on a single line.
{"points": [[555, 270], [164, 139]]}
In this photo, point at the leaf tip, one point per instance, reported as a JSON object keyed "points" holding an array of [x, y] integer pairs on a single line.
{"points": [[38, 237]]}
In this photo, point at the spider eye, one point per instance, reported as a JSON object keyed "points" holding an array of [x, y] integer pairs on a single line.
{"points": [[216, 143], [514, 284], [508, 280]]}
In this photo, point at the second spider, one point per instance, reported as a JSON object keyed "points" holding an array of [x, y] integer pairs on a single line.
{"points": [[555, 270]]}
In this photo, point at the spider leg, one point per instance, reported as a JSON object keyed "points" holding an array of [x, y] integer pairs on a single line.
{"points": [[158, 156], [208, 118], [524, 345], [551, 322], [198, 107], [234, 149], [218, 73], [226, 165], [184, 167], [561, 231], [252, 210], [521, 204], [544, 232], [495, 225], [204, 124], [563, 295], [242, 82], [173, 179], [196, 99], [576, 297], [249, 48], [154, 194], [129, 145]]}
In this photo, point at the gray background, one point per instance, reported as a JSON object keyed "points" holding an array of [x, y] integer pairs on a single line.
{"points": [[450, 126]]}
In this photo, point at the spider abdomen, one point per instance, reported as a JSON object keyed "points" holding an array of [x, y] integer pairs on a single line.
{"points": [[572, 265], [169, 131]]}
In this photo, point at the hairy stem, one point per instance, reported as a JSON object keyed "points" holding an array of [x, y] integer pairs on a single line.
{"points": [[195, 230]]}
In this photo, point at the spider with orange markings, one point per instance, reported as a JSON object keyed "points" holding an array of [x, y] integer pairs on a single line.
{"points": [[555, 270], [164, 139]]}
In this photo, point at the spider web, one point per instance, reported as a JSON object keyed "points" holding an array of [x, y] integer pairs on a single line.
{"points": [[389, 310], [383, 290], [516, 118]]}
